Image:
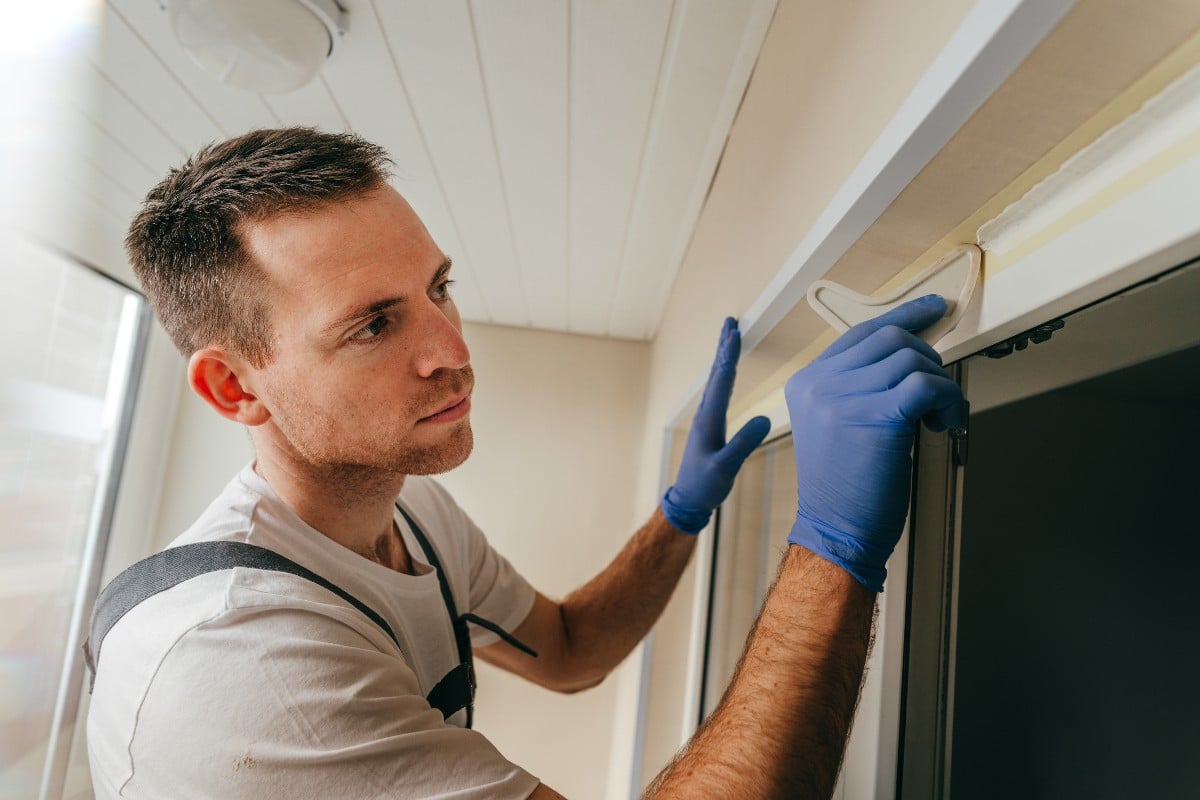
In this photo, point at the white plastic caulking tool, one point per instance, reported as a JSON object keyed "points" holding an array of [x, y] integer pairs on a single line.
{"points": [[954, 277]]}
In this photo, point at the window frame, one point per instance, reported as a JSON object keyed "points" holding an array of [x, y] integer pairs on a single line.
{"points": [[130, 364]]}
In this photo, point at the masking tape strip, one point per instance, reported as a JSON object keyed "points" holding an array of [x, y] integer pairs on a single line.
{"points": [[1124, 105], [1160, 164]]}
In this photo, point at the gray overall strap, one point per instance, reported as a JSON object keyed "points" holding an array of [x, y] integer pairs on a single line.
{"points": [[175, 565]]}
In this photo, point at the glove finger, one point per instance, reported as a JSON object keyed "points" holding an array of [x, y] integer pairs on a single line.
{"points": [[881, 345], [714, 403], [891, 371], [920, 395], [933, 422], [744, 441], [915, 315]]}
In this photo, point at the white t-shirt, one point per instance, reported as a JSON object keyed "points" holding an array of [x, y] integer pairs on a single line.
{"points": [[253, 684]]}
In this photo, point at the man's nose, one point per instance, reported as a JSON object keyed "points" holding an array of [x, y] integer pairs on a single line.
{"points": [[441, 344]]}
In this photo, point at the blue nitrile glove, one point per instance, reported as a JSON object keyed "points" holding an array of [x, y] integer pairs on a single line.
{"points": [[709, 464], [854, 419]]}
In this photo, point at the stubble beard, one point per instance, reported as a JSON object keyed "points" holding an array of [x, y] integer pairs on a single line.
{"points": [[439, 459], [352, 483], [352, 476]]}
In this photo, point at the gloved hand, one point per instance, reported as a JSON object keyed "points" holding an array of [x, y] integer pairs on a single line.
{"points": [[854, 418], [709, 464]]}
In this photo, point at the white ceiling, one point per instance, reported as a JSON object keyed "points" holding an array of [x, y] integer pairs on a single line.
{"points": [[560, 152]]}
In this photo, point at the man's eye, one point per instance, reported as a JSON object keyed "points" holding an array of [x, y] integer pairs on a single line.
{"points": [[442, 291], [371, 330]]}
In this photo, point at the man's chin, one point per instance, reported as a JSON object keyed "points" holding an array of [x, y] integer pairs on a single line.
{"points": [[442, 458]]}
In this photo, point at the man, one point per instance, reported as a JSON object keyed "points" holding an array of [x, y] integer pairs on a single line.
{"points": [[315, 309]]}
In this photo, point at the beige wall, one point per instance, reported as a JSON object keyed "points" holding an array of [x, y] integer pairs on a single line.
{"points": [[557, 421], [829, 78]]}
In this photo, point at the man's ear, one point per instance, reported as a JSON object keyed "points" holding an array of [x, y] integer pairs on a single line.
{"points": [[218, 377]]}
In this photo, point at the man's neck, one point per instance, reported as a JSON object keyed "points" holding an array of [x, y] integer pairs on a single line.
{"points": [[352, 507]]}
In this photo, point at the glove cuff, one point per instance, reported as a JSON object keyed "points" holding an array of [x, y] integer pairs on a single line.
{"points": [[863, 560], [688, 520]]}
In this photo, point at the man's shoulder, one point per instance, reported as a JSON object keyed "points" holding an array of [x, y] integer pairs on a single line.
{"points": [[205, 587], [182, 601], [224, 652]]}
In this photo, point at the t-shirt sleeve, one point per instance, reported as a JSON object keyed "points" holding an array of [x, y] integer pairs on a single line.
{"points": [[286, 703], [497, 592]]}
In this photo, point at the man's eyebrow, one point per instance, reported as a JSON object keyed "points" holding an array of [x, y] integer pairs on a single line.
{"points": [[365, 310], [379, 306]]}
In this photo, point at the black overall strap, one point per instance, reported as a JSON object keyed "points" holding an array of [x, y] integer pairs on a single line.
{"points": [[175, 565], [457, 689]]}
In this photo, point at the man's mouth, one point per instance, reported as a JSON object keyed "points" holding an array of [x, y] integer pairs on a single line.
{"points": [[455, 409]]}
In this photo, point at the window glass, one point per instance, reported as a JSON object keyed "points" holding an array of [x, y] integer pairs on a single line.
{"points": [[752, 536], [1075, 653], [69, 339]]}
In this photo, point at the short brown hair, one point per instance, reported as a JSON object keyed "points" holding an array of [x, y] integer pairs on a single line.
{"points": [[185, 243]]}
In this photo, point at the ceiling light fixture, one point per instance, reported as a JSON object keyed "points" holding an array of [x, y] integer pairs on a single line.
{"points": [[265, 46]]}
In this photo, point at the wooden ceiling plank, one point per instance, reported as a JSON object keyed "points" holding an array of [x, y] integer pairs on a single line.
{"points": [[378, 110], [95, 168], [234, 110], [517, 135], [128, 170], [91, 141], [700, 88], [139, 73], [311, 105], [118, 203], [85, 222], [523, 55], [434, 51], [616, 51], [82, 167], [115, 112]]}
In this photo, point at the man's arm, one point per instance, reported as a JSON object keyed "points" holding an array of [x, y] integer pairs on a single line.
{"points": [[781, 727], [583, 638]]}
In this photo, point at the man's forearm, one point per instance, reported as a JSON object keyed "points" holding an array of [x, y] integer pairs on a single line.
{"points": [[780, 729], [606, 617]]}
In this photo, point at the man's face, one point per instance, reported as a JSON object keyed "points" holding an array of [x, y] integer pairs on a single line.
{"points": [[370, 368]]}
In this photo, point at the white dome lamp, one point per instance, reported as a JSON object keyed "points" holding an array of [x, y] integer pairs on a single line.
{"points": [[265, 46]]}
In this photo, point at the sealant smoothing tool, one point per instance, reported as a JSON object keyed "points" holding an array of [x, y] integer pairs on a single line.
{"points": [[954, 277]]}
